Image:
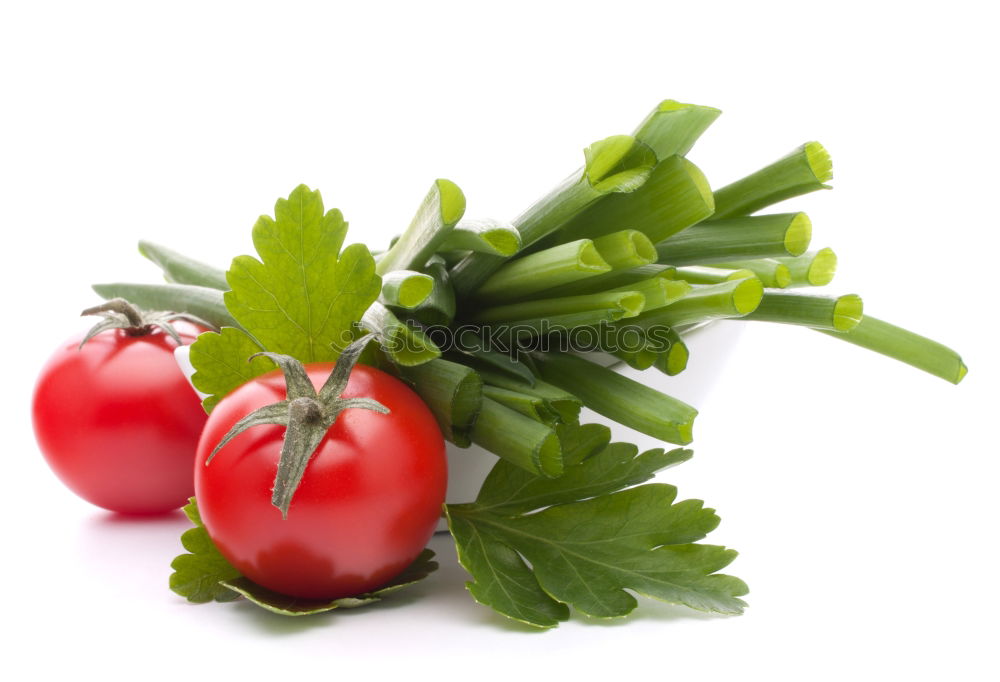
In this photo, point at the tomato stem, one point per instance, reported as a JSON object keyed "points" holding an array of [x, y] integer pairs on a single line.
{"points": [[120, 314], [306, 414]]}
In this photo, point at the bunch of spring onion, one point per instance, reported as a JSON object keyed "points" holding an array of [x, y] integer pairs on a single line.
{"points": [[505, 328]]}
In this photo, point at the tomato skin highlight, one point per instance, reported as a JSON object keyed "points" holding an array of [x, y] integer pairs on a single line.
{"points": [[370, 498], [117, 420]]}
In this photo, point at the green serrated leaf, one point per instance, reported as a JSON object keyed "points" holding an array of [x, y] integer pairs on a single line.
{"points": [[502, 580], [300, 299], [294, 606], [198, 575], [587, 540], [220, 362]]}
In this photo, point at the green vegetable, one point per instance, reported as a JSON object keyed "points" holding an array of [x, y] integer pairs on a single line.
{"points": [[625, 249], [771, 272], [300, 298], [905, 346], [802, 171], [531, 275], [180, 269], [534, 546], [406, 289], [199, 573], [619, 398], [675, 196], [439, 212], [630, 303], [617, 164], [519, 439], [453, 392], [812, 269], [841, 313], [734, 298], [494, 237], [779, 234]]}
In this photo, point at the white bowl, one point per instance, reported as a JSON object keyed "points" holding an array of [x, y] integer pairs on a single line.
{"points": [[710, 346]]}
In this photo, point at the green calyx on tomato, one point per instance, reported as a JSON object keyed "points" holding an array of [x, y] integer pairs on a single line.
{"points": [[120, 314], [307, 415]]}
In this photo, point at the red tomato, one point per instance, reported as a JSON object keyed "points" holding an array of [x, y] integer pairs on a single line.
{"points": [[118, 422], [368, 502]]}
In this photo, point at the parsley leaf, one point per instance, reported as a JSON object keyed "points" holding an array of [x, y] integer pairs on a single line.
{"points": [[587, 540], [302, 298], [294, 606], [205, 575], [199, 575], [221, 363]]}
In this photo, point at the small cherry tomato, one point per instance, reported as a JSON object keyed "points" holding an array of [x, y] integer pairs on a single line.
{"points": [[117, 420], [368, 501]]}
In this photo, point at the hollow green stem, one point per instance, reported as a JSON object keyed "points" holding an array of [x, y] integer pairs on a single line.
{"points": [[641, 359], [529, 405], [563, 403], [618, 164], [614, 279], [540, 271], [453, 392], [675, 196], [804, 170], [811, 269], [703, 274], [719, 241], [619, 398], [439, 307], [495, 237], [438, 214], [674, 360], [773, 273], [658, 291], [520, 440], [405, 288], [905, 346], [626, 249], [628, 303], [673, 127], [405, 344], [840, 313], [734, 298], [179, 269]]}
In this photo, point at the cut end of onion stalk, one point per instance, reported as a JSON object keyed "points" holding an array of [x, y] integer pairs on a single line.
{"points": [[822, 268], [847, 312], [618, 163], [452, 201], [798, 235], [819, 161], [747, 295], [626, 249]]}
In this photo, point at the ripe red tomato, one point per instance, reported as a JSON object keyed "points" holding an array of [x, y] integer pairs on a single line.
{"points": [[368, 502], [118, 422]]}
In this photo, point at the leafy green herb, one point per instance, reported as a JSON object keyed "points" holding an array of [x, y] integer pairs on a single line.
{"points": [[198, 575], [534, 546], [220, 362], [300, 298], [285, 605]]}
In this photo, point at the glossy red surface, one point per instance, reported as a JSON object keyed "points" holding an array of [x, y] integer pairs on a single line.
{"points": [[367, 505], [118, 422]]}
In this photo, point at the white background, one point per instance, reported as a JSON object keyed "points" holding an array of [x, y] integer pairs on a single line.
{"points": [[860, 492]]}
